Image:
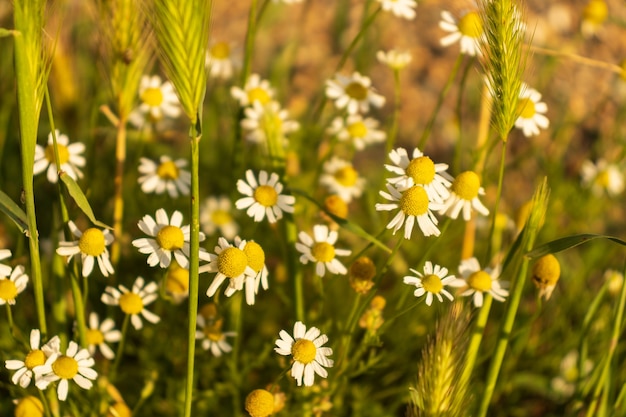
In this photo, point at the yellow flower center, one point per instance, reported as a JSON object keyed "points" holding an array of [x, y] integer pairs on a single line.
{"points": [[335, 205], [466, 185], [480, 281], [131, 303], [35, 358], [209, 311], [356, 91], [64, 154], [94, 337], [422, 170], [220, 50], [92, 242], [323, 252], [363, 269], [603, 179], [596, 11], [232, 262], [255, 254], [266, 195], [221, 217], [304, 351], [65, 367], [546, 271], [414, 201], [213, 331], [346, 176], [258, 94], [357, 130], [8, 290], [432, 284], [170, 238], [177, 280], [260, 403], [470, 25], [29, 407], [152, 96], [526, 108], [168, 171]]}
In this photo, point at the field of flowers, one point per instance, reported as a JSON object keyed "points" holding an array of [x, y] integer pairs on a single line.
{"points": [[312, 208]]}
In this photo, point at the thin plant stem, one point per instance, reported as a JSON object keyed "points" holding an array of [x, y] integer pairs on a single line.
{"points": [[476, 339], [79, 307], [120, 348], [494, 215], [10, 319], [292, 266], [118, 180], [194, 264], [442, 96], [366, 24], [604, 382], [250, 35]]}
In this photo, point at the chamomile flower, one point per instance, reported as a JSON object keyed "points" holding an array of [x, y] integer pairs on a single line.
{"points": [[215, 216], [256, 260], [212, 336], [321, 250], [476, 282], [219, 61], [354, 93], [531, 112], [263, 121], [400, 8], [601, 177], [91, 245], [167, 175], [263, 197], [5, 269], [76, 365], [414, 205], [464, 193], [595, 14], [70, 158], [176, 282], [12, 285], [229, 262], [394, 59], [35, 358], [341, 178], [133, 302], [170, 238], [158, 100], [255, 89], [357, 130], [309, 355], [431, 282], [565, 383], [419, 170], [99, 334], [468, 31]]}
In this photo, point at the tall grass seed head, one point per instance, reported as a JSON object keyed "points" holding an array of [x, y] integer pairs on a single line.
{"points": [[260, 403], [545, 274], [361, 273]]}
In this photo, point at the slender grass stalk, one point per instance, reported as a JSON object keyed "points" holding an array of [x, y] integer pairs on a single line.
{"points": [[10, 318], [604, 384], [120, 348], [364, 27], [494, 213], [393, 130], [540, 200], [476, 338], [79, 306], [431, 122], [31, 72], [249, 49]]}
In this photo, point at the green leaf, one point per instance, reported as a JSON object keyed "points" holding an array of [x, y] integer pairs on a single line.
{"points": [[564, 243], [8, 206], [80, 199]]}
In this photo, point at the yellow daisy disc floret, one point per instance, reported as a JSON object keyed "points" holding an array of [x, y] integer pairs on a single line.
{"points": [[92, 242], [414, 201], [466, 185], [232, 262], [260, 403]]}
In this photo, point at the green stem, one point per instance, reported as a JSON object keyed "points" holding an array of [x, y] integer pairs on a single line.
{"points": [[79, 307], [292, 266], [366, 24], [250, 34], [120, 348], [194, 264], [442, 95], [118, 197], [604, 382], [10, 318], [494, 214], [475, 340]]}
